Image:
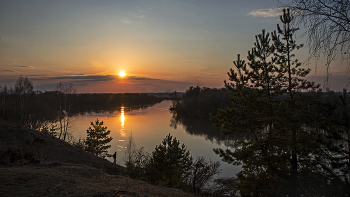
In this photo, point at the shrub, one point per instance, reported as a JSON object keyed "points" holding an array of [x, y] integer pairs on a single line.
{"points": [[97, 138]]}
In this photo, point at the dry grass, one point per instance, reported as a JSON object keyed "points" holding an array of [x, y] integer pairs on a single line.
{"points": [[63, 170], [74, 180]]}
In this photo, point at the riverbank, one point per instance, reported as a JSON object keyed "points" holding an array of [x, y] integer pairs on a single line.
{"points": [[37, 164]]}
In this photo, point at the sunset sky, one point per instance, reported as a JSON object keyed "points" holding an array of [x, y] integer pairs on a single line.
{"points": [[161, 45]]}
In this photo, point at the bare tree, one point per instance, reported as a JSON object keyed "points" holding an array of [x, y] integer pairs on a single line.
{"points": [[327, 24], [202, 173], [64, 96], [130, 150], [136, 159], [23, 87]]}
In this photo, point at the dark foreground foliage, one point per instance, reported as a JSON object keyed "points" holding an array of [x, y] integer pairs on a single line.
{"points": [[299, 137], [293, 150], [171, 165]]}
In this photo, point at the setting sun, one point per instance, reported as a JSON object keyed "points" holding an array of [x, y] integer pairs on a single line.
{"points": [[122, 74]]}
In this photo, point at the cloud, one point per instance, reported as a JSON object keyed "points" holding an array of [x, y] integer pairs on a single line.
{"points": [[80, 78], [140, 16], [125, 21], [159, 85], [140, 78], [20, 66], [105, 83], [10, 66], [76, 75], [38, 75], [270, 12], [24, 66]]}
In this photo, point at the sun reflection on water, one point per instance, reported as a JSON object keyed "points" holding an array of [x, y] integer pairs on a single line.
{"points": [[122, 119]]}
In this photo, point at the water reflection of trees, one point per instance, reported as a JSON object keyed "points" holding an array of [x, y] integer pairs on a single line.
{"points": [[55, 111], [33, 108], [204, 128], [193, 109]]}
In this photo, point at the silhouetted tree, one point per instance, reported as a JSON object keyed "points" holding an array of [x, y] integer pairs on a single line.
{"points": [[136, 160], [130, 150], [23, 87], [170, 164], [202, 172], [281, 157], [64, 96], [328, 26], [97, 139]]}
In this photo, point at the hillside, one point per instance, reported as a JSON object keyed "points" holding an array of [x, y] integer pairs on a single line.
{"points": [[36, 164]]}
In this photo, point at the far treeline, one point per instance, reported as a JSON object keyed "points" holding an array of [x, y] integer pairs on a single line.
{"points": [[21, 104], [300, 136], [199, 102]]}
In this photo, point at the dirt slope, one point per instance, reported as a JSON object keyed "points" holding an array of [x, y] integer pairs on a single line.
{"points": [[35, 164]]}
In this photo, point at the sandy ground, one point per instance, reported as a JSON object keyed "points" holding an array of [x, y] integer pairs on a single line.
{"points": [[37, 164]]}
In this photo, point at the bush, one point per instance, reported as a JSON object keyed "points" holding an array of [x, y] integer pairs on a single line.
{"points": [[97, 138], [202, 172], [170, 164]]}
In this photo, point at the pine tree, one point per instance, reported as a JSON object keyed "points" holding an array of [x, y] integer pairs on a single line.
{"points": [[255, 86], [97, 138], [276, 161], [170, 163]]}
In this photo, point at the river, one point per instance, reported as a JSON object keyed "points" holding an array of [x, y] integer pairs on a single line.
{"points": [[150, 125]]}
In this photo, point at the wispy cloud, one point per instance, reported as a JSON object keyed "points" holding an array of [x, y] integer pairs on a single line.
{"points": [[140, 16], [19, 66], [84, 81], [38, 75], [76, 75], [159, 85], [105, 83], [62, 71], [270, 12], [74, 78], [125, 21], [9, 71], [80, 78]]}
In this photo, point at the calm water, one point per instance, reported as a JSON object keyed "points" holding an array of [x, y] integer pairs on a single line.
{"points": [[150, 126]]}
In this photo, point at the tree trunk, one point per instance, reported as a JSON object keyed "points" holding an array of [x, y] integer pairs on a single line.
{"points": [[5, 92], [294, 161], [294, 164]]}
